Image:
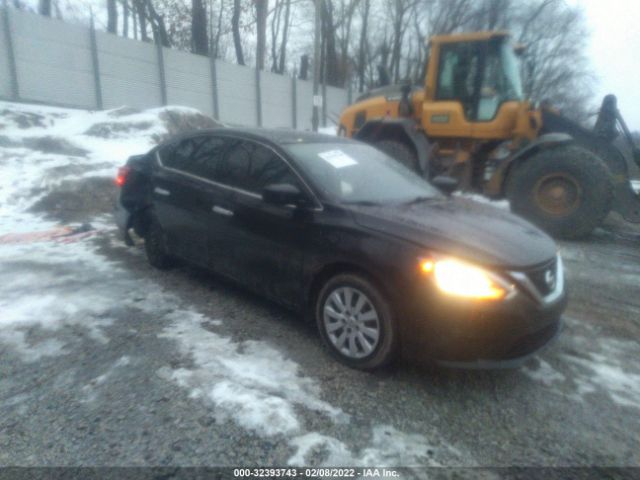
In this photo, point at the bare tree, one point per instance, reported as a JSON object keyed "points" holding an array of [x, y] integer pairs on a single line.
{"points": [[199, 38], [44, 7], [112, 16], [235, 26], [125, 18], [262, 8], [363, 44], [139, 7], [304, 68], [399, 9], [555, 67], [280, 20]]}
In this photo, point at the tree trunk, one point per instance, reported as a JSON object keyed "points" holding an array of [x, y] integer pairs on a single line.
{"points": [[262, 8], [235, 26], [304, 67], [125, 18], [331, 74], [199, 41], [44, 8], [275, 31], [112, 16], [285, 36], [139, 8], [362, 48], [158, 25]]}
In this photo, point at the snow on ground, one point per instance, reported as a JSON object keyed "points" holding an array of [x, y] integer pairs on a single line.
{"points": [[605, 367], [330, 130], [503, 204], [252, 382], [49, 291]]}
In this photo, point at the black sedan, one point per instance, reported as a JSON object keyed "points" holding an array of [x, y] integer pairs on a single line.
{"points": [[379, 258]]}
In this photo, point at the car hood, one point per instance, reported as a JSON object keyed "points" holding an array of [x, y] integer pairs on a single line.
{"points": [[464, 228]]}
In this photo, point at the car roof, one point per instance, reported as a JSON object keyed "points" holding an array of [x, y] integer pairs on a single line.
{"points": [[276, 136]]}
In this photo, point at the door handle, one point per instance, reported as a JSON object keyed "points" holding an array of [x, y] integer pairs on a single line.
{"points": [[221, 211], [162, 191]]}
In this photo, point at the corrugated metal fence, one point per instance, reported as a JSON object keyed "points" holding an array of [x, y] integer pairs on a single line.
{"points": [[46, 60]]}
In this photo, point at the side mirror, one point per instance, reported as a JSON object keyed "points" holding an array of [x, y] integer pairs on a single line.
{"points": [[281, 194], [445, 184]]}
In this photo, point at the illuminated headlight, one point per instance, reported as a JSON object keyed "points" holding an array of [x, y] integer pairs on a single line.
{"points": [[457, 278]]}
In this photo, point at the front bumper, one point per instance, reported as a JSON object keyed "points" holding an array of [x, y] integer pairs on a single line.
{"points": [[481, 334]]}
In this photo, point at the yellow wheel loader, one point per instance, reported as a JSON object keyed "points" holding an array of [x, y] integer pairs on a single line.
{"points": [[470, 121]]}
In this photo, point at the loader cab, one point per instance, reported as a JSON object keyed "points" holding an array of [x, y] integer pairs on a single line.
{"points": [[473, 87]]}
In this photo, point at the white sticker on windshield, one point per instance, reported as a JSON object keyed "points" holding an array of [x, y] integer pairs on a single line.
{"points": [[337, 158]]}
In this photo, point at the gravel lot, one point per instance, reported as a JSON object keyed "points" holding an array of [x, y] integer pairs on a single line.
{"points": [[106, 361]]}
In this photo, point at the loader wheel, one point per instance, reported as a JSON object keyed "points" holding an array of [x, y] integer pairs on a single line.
{"points": [[567, 191], [400, 152]]}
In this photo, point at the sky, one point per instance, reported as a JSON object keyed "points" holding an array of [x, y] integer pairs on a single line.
{"points": [[614, 51]]}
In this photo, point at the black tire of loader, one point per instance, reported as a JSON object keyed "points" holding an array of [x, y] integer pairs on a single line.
{"points": [[591, 175], [400, 151]]}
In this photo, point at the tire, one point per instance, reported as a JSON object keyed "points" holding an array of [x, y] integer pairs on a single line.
{"points": [[566, 191], [155, 246], [336, 326], [401, 152]]}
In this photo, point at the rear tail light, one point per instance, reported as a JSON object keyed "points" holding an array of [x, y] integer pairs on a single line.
{"points": [[121, 177]]}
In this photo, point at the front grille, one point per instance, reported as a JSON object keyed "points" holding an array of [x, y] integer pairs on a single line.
{"points": [[544, 278]]}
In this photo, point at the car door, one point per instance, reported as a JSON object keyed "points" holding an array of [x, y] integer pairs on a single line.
{"points": [[187, 200], [269, 240], [174, 198]]}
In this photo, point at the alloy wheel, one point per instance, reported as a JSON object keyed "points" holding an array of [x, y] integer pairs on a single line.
{"points": [[351, 322]]}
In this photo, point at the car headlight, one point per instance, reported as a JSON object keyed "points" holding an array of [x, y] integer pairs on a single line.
{"points": [[461, 279]]}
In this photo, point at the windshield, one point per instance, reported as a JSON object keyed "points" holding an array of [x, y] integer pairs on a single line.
{"points": [[358, 173], [511, 69]]}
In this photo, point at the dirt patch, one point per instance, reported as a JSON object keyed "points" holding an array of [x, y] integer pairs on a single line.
{"points": [[7, 142], [116, 129], [24, 119], [177, 122], [78, 201], [59, 146]]}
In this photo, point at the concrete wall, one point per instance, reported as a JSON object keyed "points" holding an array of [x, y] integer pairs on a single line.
{"points": [[68, 65]]}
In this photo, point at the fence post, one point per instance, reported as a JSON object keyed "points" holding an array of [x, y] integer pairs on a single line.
{"points": [[163, 83], [258, 98], [214, 86], [294, 101], [324, 103], [13, 71], [96, 64]]}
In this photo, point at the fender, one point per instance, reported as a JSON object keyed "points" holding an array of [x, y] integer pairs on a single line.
{"points": [[495, 186], [402, 129]]}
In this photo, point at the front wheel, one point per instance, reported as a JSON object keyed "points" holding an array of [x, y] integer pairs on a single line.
{"points": [[566, 191], [356, 322]]}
